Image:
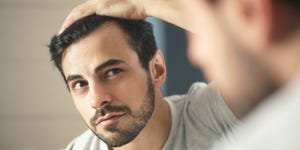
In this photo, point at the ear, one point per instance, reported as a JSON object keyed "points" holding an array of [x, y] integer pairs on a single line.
{"points": [[158, 68], [261, 21], [251, 22]]}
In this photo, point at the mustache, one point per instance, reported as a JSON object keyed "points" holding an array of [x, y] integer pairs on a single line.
{"points": [[110, 109]]}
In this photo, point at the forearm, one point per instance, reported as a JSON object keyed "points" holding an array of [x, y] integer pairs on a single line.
{"points": [[171, 11]]}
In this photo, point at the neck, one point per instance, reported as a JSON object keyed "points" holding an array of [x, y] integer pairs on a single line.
{"points": [[156, 132]]}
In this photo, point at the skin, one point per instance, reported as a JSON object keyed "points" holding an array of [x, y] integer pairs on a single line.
{"points": [[108, 90]]}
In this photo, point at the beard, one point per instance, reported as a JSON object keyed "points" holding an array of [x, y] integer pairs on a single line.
{"points": [[141, 117]]}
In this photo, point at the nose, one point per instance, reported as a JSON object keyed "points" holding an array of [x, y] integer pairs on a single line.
{"points": [[99, 96]]}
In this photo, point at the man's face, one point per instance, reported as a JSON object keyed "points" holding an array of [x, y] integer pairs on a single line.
{"points": [[221, 52], [113, 93]]}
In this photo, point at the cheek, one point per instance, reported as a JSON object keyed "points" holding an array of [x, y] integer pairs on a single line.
{"points": [[131, 92], [83, 108], [194, 51]]}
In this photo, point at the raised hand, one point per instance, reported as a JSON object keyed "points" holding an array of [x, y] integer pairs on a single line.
{"points": [[129, 9]]}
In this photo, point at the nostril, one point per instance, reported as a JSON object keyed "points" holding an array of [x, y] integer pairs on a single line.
{"points": [[98, 104], [104, 106], [104, 103]]}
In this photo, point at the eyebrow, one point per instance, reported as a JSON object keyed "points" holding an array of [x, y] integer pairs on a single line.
{"points": [[73, 77], [108, 63], [102, 66]]}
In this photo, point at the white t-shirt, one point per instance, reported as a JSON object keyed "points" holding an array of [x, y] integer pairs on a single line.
{"points": [[274, 125], [199, 118]]}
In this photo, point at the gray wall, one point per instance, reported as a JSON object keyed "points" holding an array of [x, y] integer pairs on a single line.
{"points": [[173, 43], [36, 111], [181, 74]]}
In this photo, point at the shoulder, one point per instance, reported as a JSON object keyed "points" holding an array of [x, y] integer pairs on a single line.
{"points": [[200, 89], [204, 95], [200, 99], [195, 89], [199, 92], [205, 104]]}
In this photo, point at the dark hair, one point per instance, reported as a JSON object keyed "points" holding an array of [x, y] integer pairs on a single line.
{"points": [[139, 36], [294, 4]]}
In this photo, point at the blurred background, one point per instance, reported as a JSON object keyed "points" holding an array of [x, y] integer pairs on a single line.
{"points": [[36, 110]]}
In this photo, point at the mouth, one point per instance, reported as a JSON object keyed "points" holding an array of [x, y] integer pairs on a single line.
{"points": [[109, 118]]}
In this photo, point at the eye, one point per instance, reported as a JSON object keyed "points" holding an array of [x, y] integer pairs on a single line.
{"points": [[78, 85], [113, 72]]}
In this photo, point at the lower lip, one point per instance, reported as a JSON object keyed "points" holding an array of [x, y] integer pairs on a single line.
{"points": [[111, 120]]}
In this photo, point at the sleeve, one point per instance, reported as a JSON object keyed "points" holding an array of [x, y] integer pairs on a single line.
{"points": [[70, 146], [207, 108]]}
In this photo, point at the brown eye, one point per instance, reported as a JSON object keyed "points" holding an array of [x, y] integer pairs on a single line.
{"points": [[113, 72], [79, 85]]}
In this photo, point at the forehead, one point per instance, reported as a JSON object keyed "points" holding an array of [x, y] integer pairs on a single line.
{"points": [[106, 42]]}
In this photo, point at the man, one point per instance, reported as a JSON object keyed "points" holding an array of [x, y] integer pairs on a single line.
{"points": [[250, 47], [114, 72]]}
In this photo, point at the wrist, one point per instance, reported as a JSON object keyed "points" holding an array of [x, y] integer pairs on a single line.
{"points": [[150, 7], [168, 10]]}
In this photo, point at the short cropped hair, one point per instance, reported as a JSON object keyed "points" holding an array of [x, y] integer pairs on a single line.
{"points": [[139, 36]]}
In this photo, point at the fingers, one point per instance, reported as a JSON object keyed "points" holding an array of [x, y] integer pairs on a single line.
{"points": [[82, 10], [200, 15], [129, 9]]}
